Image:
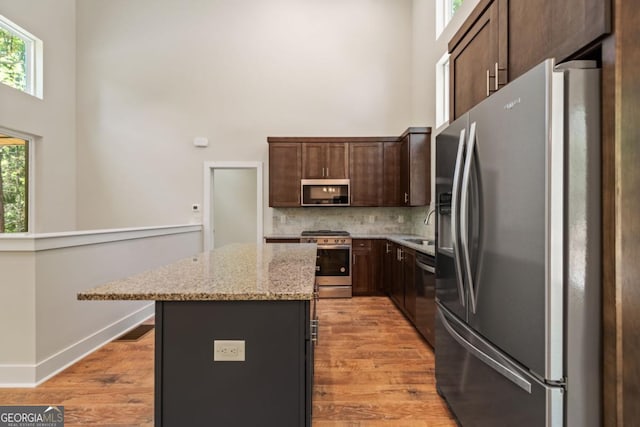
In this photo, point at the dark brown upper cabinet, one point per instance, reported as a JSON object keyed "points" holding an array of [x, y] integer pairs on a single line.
{"points": [[383, 170], [415, 167], [366, 169], [325, 160], [503, 39], [285, 172], [391, 174], [553, 29], [477, 65]]}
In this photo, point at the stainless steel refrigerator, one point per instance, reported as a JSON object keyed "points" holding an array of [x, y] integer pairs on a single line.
{"points": [[518, 278]]}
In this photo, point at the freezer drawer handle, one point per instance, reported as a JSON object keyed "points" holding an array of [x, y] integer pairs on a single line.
{"points": [[509, 374]]}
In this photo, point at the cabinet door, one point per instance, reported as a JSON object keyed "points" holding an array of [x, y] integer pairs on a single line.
{"points": [[409, 277], [552, 29], [366, 171], [366, 267], [322, 160], [337, 161], [361, 269], [397, 285], [472, 64], [415, 169], [377, 260], [404, 171], [313, 161], [388, 260], [528, 41], [284, 174], [391, 175]]}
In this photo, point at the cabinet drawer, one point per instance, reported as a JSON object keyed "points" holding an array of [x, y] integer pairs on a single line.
{"points": [[362, 244]]}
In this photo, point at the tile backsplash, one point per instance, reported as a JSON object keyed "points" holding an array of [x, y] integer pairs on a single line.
{"points": [[356, 220]]}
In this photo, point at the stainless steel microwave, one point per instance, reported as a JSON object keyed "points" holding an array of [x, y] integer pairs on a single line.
{"points": [[325, 192]]}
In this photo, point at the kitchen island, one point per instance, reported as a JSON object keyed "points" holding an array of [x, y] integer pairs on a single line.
{"points": [[234, 334]]}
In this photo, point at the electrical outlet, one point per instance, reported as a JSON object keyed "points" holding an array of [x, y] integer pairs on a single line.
{"points": [[228, 351], [283, 219], [400, 219], [372, 219]]}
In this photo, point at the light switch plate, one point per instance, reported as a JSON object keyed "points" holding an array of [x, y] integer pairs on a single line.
{"points": [[228, 351]]}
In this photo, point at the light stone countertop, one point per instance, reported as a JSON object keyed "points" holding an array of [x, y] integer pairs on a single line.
{"points": [[234, 272]]}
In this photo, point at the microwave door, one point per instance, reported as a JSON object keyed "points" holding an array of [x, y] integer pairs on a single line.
{"points": [[325, 192]]}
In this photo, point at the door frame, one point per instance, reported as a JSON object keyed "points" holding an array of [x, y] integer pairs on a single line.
{"points": [[207, 211]]}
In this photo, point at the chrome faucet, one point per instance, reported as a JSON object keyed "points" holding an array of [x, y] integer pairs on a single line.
{"points": [[430, 212]]}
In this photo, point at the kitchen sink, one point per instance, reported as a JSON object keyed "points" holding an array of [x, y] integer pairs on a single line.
{"points": [[420, 241]]}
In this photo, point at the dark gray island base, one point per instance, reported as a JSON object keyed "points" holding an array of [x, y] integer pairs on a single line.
{"points": [[271, 387], [235, 331]]}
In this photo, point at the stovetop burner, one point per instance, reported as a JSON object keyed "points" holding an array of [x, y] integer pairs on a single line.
{"points": [[325, 233]]}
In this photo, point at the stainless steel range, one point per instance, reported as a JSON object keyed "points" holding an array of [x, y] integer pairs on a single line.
{"points": [[333, 264]]}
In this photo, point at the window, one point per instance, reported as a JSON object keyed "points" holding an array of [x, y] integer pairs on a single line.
{"points": [[14, 177], [442, 90], [445, 9], [20, 58]]}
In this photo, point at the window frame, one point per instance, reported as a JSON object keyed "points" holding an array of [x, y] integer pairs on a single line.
{"points": [[442, 90], [33, 57], [444, 15]]}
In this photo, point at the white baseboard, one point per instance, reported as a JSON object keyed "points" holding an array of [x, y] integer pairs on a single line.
{"points": [[33, 375]]}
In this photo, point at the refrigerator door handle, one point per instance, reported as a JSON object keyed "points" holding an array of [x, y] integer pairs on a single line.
{"points": [[509, 374], [464, 215], [454, 216]]}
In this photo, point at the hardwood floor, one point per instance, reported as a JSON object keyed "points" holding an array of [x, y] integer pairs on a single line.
{"points": [[372, 369]]}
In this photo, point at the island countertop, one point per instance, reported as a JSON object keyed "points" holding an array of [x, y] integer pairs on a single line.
{"points": [[234, 272]]}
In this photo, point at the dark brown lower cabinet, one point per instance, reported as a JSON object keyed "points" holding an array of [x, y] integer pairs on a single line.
{"points": [[411, 286], [387, 252], [409, 280], [403, 290], [366, 267]]}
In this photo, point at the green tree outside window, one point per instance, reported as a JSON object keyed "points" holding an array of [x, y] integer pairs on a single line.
{"points": [[13, 186], [13, 60], [455, 4]]}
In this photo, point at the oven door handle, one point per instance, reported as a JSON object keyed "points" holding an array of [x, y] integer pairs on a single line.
{"points": [[334, 246]]}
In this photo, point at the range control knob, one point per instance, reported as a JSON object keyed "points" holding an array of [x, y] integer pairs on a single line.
{"points": [[342, 269]]}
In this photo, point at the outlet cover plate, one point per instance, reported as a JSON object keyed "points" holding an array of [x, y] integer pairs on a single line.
{"points": [[228, 351]]}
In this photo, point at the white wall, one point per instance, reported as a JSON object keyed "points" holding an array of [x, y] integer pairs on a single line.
{"points": [[43, 327], [17, 309], [153, 74], [51, 119], [234, 206], [427, 49]]}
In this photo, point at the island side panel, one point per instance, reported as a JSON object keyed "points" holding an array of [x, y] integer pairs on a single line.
{"points": [[157, 387], [268, 388]]}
